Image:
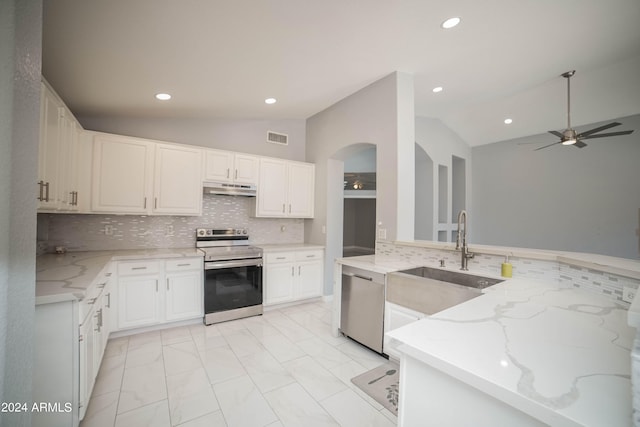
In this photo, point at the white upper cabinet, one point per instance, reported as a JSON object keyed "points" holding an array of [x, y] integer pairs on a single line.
{"points": [[178, 180], [226, 166], [57, 155], [122, 174], [286, 189], [137, 176]]}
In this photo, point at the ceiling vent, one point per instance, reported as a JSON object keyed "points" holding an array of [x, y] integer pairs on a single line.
{"points": [[277, 138]]}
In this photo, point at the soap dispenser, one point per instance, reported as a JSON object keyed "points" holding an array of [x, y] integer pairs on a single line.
{"points": [[507, 268]]}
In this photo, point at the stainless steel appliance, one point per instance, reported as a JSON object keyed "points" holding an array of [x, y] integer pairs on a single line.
{"points": [[232, 274], [362, 306]]}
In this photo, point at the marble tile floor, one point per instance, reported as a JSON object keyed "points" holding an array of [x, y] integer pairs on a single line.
{"points": [[280, 369]]}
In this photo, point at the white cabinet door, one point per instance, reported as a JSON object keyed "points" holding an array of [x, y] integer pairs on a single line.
{"points": [[245, 169], [279, 283], [300, 191], [286, 189], [184, 295], [396, 316], [87, 364], [49, 149], [218, 166], [138, 301], [122, 175], [272, 190], [309, 281], [178, 180]]}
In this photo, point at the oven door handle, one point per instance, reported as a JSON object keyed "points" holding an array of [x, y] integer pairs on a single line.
{"points": [[214, 265]]}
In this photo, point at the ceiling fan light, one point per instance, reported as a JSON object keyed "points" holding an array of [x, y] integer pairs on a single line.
{"points": [[569, 141]]}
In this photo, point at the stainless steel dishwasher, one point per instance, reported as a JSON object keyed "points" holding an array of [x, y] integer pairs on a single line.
{"points": [[362, 306]]}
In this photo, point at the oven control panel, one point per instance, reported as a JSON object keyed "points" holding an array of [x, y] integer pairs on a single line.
{"points": [[220, 233]]}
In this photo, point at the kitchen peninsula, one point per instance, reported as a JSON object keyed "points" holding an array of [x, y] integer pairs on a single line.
{"points": [[550, 346]]}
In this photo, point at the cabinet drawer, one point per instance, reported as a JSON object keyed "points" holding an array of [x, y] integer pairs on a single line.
{"points": [[183, 264], [138, 267], [309, 255], [279, 257]]}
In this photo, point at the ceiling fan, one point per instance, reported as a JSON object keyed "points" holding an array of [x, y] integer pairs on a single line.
{"points": [[570, 136]]}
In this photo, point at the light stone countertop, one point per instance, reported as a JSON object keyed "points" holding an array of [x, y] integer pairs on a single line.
{"points": [[560, 355], [375, 263], [66, 277]]}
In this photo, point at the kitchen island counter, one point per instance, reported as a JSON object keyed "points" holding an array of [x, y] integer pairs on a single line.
{"points": [[559, 355], [63, 277]]}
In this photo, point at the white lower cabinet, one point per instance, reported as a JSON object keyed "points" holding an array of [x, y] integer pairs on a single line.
{"points": [[396, 316], [156, 292], [184, 283], [293, 276]]}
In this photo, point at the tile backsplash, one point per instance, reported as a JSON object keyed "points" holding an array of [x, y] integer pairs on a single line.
{"points": [[91, 232]]}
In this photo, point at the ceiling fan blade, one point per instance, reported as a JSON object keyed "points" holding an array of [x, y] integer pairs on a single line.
{"points": [[540, 148], [579, 144], [598, 129], [604, 135], [556, 133]]}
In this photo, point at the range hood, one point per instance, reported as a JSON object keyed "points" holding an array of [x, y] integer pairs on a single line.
{"points": [[227, 189]]}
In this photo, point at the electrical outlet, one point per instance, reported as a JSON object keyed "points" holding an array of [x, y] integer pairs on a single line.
{"points": [[382, 233], [169, 231], [628, 294], [108, 230]]}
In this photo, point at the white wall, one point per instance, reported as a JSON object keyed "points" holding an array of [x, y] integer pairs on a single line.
{"points": [[441, 143], [380, 114], [243, 135], [566, 198], [20, 64]]}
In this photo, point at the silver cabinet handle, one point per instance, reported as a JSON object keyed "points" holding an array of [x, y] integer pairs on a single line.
{"points": [[289, 207], [311, 256], [184, 265], [46, 197], [139, 268], [292, 271], [167, 283], [145, 203], [40, 194], [156, 285], [155, 203], [93, 301], [102, 285], [299, 267], [109, 300], [283, 208], [281, 257], [236, 177], [72, 197]]}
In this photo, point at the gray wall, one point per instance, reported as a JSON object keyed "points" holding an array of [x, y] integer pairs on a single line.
{"points": [[20, 64], [246, 136], [380, 114], [566, 198]]}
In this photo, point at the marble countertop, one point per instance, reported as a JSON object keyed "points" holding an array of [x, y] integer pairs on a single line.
{"points": [[67, 276], [375, 263], [561, 355]]}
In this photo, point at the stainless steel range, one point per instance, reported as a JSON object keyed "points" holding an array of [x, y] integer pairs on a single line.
{"points": [[232, 274]]}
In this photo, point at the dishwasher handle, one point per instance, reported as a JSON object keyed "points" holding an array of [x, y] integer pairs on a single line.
{"points": [[359, 276]]}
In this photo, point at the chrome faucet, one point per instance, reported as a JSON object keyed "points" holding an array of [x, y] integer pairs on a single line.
{"points": [[462, 237]]}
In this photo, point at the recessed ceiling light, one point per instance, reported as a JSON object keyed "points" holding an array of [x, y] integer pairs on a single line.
{"points": [[451, 22], [270, 101], [508, 121], [437, 89], [163, 96]]}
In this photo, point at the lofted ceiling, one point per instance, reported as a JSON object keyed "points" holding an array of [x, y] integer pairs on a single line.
{"points": [[223, 58]]}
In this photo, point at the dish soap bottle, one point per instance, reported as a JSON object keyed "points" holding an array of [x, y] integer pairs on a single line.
{"points": [[507, 268]]}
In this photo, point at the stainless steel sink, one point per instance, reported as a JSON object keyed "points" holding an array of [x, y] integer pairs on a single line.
{"points": [[430, 290], [464, 279]]}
